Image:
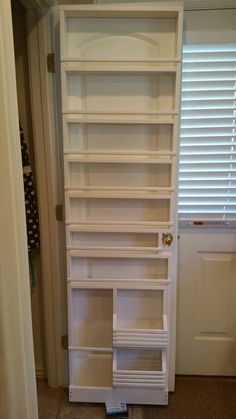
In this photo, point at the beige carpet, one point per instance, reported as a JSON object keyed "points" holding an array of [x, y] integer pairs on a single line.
{"points": [[194, 398]]}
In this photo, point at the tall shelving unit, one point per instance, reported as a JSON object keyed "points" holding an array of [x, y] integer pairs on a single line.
{"points": [[120, 67]]}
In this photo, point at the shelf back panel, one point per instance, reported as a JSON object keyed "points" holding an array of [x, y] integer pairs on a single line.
{"points": [[139, 309], [118, 268], [118, 175], [90, 209], [91, 369], [118, 93], [115, 138], [121, 240], [139, 360], [91, 318]]}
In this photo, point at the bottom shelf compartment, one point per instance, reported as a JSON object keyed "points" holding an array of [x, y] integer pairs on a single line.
{"points": [[139, 368], [138, 376], [90, 368]]}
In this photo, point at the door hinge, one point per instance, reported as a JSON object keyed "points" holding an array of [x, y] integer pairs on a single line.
{"points": [[51, 62], [64, 342], [59, 212]]}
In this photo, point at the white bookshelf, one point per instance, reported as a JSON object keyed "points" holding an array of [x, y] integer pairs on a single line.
{"points": [[120, 76]]}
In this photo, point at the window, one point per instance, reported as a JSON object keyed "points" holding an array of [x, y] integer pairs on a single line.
{"points": [[207, 177]]}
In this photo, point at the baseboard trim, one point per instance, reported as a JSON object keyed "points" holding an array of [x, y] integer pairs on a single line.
{"points": [[41, 372]]}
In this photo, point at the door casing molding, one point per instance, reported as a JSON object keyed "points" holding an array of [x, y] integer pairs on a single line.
{"points": [[18, 397], [47, 163]]}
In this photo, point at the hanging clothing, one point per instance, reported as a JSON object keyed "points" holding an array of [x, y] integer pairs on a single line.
{"points": [[31, 207]]}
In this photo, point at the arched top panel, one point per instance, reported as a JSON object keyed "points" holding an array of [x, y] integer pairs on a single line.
{"points": [[125, 45], [116, 38]]}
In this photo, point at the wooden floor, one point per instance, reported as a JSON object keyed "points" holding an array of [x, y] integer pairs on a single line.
{"points": [[194, 398]]}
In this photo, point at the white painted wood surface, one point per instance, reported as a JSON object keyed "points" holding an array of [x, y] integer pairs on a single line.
{"points": [[188, 4], [208, 294], [206, 278], [49, 193], [119, 64], [18, 397]]}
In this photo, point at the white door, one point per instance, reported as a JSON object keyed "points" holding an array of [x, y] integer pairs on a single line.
{"points": [[206, 327], [120, 68]]}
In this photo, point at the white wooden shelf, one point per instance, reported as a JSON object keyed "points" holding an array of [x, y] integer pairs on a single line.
{"points": [[116, 249], [119, 194], [92, 268], [139, 368], [114, 11], [75, 229], [113, 118], [153, 396], [140, 328], [138, 319], [140, 337], [164, 10], [159, 156], [119, 60], [94, 372], [124, 283], [73, 67], [117, 253], [117, 226], [117, 113], [135, 242], [119, 117], [120, 74], [127, 338], [122, 159], [89, 349], [120, 189]]}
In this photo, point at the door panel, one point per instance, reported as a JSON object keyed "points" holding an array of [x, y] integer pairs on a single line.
{"points": [[206, 329]]}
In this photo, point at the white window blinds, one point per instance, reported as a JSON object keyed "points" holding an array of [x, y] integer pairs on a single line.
{"points": [[207, 177]]}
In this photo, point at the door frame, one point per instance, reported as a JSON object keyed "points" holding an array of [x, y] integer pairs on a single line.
{"points": [[18, 396], [49, 185]]}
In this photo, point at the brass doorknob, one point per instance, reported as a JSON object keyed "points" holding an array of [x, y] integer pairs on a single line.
{"points": [[167, 239]]}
